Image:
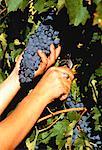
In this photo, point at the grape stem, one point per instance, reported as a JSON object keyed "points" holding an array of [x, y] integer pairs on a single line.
{"points": [[62, 111], [84, 111], [49, 110], [3, 11], [54, 122]]}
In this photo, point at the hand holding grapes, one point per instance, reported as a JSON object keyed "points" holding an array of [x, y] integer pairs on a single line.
{"points": [[45, 63]]}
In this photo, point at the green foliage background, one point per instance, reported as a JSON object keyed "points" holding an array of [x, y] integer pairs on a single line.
{"points": [[85, 16]]}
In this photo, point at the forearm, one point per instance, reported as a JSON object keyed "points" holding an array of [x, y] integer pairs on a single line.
{"points": [[15, 127], [8, 90]]}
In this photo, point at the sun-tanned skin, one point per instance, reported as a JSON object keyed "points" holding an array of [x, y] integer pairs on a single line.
{"points": [[12, 128]]}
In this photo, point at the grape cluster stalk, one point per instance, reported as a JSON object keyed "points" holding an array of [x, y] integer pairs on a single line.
{"points": [[43, 37]]}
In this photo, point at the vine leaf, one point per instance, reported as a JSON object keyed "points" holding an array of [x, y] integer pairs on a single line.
{"points": [[70, 134], [23, 4], [31, 141], [15, 53], [73, 116], [2, 76], [98, 71], [82, 142], [45, 137], [96, 116], [39, 5], [43, 5], [13, 5], [59, 131], [77, 13], [98, 15], [75, 92], [1, 54], [3, 40], [96, 1], [60, 4], [49, 148]]}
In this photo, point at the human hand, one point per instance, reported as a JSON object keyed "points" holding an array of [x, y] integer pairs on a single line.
{"points": [[45, 63], [55, 83]]}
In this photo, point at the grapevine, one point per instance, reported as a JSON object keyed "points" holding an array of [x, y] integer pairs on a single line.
{"points": [[75, 123]]}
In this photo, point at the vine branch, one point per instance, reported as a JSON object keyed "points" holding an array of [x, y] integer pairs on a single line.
{"points": [[3, 11], [44, 129], [61, 111]]}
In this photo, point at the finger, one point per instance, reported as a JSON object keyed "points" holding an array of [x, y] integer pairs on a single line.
{"points": [[42, 68], [67, 86], [68, 90], [58, 50], [43, 56], [43, 64], [52, 56]]}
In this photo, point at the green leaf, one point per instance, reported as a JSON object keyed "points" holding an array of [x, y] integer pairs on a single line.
{"points": [[30, 145], [73, 116], [96, 37], [60, 141], [3, 40], [60, 4], [45, 137], [96, 116], [1, 53], [88, 145], [66, 130], [75, 92], [11, 46], [43, 5], [60, 127], [17, 42], [49, 148], [98, 15], [15, 53], [2, 76], [49, 121], [31, 141], [23, 4], [96, 1], [59, 130], [39, 5], [13, 5], [70, 134], [98, 72], [79, 143], [82, 142], [77, 13]]}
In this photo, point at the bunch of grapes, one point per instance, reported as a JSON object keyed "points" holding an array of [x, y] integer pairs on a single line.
{"points": [[43, 37], [84, 124]]}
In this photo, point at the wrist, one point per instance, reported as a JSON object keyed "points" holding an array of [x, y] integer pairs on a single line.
{"points": [[42, 96], [15, 77]]}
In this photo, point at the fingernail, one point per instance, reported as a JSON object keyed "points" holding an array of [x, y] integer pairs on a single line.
{"points": [[40, 51]]}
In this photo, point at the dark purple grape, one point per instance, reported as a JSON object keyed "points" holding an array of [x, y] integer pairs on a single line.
{"points": [[40, 40]]}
